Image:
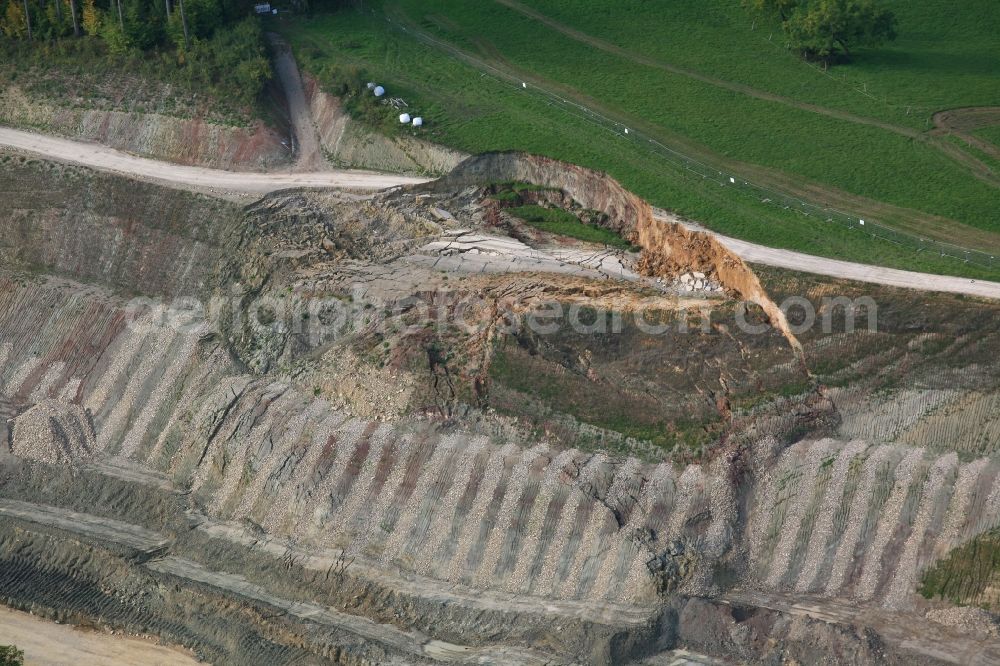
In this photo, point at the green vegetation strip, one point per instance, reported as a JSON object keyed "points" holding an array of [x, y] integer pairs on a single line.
{"points": [[220, 79], [564, 223], [596, 404], [966, 573], [11, 656]]}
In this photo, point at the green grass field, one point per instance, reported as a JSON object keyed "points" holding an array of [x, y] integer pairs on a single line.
{"points": [[715, 90], [991, 134], [945, 57]]}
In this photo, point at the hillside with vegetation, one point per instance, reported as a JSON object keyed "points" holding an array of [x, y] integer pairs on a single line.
{"points": [[206, 47], [189, 82], [728, 122]]}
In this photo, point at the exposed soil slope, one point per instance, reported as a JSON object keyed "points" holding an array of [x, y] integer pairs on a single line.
{"points": [[308, 156], [347, 142], [189, 141], [668, 249]]}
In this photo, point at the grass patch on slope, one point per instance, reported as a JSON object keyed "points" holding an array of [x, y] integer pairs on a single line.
{"points": [[510, 191], [968, 575], [991, 134], [598, 404], [564, 223]]}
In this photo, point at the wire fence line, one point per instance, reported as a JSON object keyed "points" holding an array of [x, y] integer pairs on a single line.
{"points": [[822, 213]]}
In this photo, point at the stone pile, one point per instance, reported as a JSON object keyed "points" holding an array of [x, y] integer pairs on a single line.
{"points": [[974, 620], [54, 432], [697, 281]]}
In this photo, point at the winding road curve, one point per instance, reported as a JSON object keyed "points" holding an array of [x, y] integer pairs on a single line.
{"points": [[115, 161]]}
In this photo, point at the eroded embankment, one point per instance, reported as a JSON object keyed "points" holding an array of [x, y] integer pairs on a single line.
{"points": [[483, 513], [305, 511], [668, 249], [91, 579], [137, 238], [347, 143], [272, 603], [55, 556], [191, 141], [671, 249]]}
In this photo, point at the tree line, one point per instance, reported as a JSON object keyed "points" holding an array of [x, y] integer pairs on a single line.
{"points": [[214, 43]]}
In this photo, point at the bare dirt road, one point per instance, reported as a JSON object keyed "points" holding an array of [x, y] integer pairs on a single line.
{"points": [[808, 263], [308, 154], [891, 277], [51, 644], [108, 159]]}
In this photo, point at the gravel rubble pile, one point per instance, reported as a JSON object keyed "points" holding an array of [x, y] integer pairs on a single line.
{"points": [[973, 620], [54, 432]]}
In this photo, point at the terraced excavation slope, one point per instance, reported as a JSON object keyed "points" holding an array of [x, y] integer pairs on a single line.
{"points": [[300, 431]]}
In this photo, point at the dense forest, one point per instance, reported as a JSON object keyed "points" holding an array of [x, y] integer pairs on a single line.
{"points": [[211, 46]]}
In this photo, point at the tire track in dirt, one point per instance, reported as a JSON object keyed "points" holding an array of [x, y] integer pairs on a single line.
{"points": [[961, 122]]}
